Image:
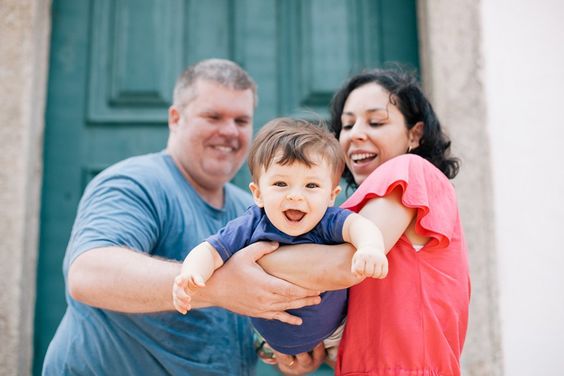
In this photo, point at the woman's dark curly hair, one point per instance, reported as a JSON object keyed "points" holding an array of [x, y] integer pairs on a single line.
{"points": [[406, 94]]}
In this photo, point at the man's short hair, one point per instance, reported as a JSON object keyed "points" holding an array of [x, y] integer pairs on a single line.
{"points": [[223, 72], [290, 140]]}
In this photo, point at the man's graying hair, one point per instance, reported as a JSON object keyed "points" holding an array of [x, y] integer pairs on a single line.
{"points": [[224, 72]]}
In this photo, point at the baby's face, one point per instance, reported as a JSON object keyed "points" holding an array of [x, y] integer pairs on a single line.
{"points": [[294, 196]]}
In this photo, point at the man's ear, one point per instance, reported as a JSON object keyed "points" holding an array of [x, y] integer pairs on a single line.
{"points": [[334, 194], [415, 134], [173, 117], [256, 194]]}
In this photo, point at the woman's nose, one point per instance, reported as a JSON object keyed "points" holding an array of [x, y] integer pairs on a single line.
{"points": [[358, 132]]}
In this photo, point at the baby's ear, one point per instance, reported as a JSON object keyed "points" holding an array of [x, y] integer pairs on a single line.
{"points": [[334, 194], [256, 194]]}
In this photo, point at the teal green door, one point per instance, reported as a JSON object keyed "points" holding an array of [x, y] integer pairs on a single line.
{"points": [[112, 68]]}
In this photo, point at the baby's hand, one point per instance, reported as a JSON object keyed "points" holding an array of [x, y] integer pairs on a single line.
{"points": [[182, 290], [368, 262]]}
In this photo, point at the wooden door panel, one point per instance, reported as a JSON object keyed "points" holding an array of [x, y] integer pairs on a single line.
{"points": [[113, 64]]}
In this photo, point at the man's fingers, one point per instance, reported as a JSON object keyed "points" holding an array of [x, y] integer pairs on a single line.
{"points": [[288, 290], [297, 303], [286, 318]]}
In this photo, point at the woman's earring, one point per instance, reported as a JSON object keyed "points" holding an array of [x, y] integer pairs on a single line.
{"points": [[409, 149]]}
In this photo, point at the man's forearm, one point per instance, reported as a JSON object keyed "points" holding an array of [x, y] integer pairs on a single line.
{"points": [[123, 280], [313, 266]]}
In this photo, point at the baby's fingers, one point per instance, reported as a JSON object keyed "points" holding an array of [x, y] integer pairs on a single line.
{"points": [[196, 281], [181, 281], [181, 306], [381, 270], [358, 266], [180, 299]]}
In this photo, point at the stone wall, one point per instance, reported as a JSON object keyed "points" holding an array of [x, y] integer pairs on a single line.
{"points": [[452, 67], [24, 47]]}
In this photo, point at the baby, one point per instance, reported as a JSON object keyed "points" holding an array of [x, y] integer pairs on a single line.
{"points": [[296, 167]]}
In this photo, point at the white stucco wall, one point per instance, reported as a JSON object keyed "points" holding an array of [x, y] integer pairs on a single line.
{"points": [[524, 65]]}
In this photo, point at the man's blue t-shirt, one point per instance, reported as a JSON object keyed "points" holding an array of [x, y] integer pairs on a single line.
{"points": [[319, 321], [145, 204]]}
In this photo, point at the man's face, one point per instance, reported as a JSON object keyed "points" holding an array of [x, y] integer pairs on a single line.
{"points": [[210, 136]]}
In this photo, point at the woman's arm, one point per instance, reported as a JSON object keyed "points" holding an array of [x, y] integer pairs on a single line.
{"points": [[323, 267]]}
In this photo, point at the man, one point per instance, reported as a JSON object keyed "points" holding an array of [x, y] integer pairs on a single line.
{"points": [[138, 218]]}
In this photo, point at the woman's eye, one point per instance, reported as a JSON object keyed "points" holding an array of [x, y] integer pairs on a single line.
{"points": [[376, 124], [279, 184], [312, 185], [346, 127]]}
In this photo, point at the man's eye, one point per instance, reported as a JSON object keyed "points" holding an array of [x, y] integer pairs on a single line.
{"points": [[279, 184], [312, 185]]}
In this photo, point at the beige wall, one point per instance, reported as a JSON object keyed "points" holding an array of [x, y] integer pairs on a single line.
{"points": [[524, 44], [24, 36]]}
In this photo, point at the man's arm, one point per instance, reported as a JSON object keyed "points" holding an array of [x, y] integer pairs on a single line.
{"points": [[122, 280]]}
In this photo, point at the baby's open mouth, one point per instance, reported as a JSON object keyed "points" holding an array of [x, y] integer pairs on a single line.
{"points": [[294, 215]]}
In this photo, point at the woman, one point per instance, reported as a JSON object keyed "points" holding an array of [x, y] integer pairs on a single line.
{"points": [[414, 321]]}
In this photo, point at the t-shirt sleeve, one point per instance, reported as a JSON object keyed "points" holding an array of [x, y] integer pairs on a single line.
{"points": [[423, 186], [115, 211], [330, 228], [236, 234]]}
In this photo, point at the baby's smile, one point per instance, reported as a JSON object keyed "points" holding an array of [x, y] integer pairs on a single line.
{"points": [[294, 215]]}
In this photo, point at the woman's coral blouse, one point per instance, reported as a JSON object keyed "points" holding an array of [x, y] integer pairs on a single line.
{"points": [[413, 322]]}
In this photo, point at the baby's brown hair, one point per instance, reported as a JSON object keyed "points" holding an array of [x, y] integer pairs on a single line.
{"points": [[296, 140]]}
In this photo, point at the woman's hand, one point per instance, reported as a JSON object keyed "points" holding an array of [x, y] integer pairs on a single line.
{"points": [[300, 364]]}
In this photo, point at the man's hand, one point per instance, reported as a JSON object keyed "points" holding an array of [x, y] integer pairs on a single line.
{"points": [[242, 286], [301, 364], [369, 263]]}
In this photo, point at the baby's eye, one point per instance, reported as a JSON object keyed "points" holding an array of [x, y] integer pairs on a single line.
{"points": [[280, 184], [312, 185]]}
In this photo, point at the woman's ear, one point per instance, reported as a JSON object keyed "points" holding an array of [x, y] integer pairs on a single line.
{"points": [[256, 194], [415, 134]]}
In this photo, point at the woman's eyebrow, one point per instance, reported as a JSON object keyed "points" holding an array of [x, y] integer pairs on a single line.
{"points": [[370, 110], [377, 109]]}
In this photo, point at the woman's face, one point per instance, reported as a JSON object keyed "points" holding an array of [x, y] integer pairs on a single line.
{"points": [[373, 132]]}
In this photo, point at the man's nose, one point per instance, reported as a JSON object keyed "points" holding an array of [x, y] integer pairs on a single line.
{"points": [[229, 128]]}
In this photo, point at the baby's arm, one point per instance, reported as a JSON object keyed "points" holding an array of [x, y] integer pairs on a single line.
{"points": [[369, 260], [197, 268]]}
